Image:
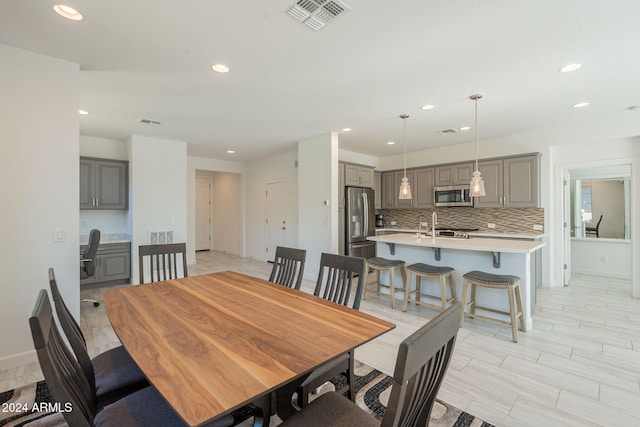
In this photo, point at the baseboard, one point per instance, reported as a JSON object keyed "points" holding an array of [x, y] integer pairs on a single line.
{"points": [[600, 273], [19, 359]]}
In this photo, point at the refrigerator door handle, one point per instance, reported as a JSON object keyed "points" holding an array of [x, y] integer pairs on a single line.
{"points": [[362, 245], [366, 213]]}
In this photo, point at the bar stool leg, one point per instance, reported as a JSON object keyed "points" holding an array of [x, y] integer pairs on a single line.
{"points": [[443, 292], [472, 303], [518, 296], [407, 290], [514, 317], [452, 284], [392, 289], [465, 294]]}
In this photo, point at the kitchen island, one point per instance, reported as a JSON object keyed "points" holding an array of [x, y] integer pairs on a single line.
{"points": [[496, 256]]}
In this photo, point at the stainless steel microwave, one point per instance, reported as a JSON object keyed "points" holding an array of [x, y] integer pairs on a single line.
{"points": [[452, 195]]}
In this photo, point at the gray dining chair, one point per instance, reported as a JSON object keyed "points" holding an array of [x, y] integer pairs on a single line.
{"points": [[113, 374], [163, 261], [288, 267], [421, 365], [340, 279], [68, 385]]}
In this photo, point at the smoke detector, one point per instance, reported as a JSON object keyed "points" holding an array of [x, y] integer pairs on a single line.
{"points": [[447, 131], [317, 13]]}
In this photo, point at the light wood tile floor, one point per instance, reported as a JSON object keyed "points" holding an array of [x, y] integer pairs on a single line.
{"points": [[579, 366]]}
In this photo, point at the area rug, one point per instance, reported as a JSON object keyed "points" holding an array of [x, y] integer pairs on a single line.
{"points": [[33, 406]]}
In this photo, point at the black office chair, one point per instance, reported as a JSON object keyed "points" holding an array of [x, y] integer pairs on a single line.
{"points": [[88, 261], [423, 359], [594, 230], [340, 279], [288, 267]]}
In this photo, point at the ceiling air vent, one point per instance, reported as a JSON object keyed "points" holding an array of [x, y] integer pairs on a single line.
{"points": [[317, 13], [447, 131], [150, 122]]}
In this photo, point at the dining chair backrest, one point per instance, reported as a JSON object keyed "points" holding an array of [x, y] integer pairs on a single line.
{"points": [[288, 267], [164, 261], [337, 276], [63, 374], [72, 331], [423, 359], [88, 259]]}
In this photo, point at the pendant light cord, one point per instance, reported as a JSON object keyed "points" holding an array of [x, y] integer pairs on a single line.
{"points": [[404, 136], [476, 134]]}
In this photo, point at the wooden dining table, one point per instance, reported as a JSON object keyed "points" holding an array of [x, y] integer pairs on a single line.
{"points": [[212, 343]]}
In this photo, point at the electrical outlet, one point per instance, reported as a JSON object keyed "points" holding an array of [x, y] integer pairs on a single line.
{"points": [[424, 224], [537, 227], [58, 235], [393, 223], [491, 225]]}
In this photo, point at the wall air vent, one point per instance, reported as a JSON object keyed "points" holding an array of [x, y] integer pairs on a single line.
{"points": [[317, 13], [150, 122], [160, 237], [447, 131]]}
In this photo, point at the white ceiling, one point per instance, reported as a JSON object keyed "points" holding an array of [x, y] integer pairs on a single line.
{"points": [[151, 59]]}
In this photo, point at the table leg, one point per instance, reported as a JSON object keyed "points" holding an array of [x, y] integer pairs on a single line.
{"points": [[284, 407]]}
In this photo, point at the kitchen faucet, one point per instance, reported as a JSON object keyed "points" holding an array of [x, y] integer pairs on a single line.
{"points": [[434, 221]]}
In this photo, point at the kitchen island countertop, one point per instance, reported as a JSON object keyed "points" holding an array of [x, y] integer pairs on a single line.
{"points": [[472, 244]]}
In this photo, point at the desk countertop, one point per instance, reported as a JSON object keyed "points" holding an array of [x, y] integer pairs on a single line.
{"points": [[107, 238]]}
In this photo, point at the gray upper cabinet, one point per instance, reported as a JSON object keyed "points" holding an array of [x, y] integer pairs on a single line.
{"points": [[510, 183], [360, 176], [377, 188], [422, 191], [391, 189], [458, 174], [103, 184]]}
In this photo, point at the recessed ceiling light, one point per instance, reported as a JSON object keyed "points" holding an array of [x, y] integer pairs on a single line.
{"points": [[580, 104], [68, 12], [231, 152], [569, 68], [83, 112], [346, 129], [220, 68], [391, 142], [463, 128], [428, 107]]}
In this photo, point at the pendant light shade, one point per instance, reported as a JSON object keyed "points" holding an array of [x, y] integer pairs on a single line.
{"points": [[405, 188], [476, 187]]}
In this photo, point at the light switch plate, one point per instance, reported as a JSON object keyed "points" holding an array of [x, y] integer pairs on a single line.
{"points": [[58, 235], [537, 227], [393, 223], [491, 225]]}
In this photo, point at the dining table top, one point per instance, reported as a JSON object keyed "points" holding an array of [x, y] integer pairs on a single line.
{"points": [[215, 342]]}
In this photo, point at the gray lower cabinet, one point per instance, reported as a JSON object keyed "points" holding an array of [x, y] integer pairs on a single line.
{"points": [[113, 263], [103, 184], [510, 182]]}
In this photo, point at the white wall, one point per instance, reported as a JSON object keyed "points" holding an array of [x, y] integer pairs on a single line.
{"points": [[227, 220], [39, 181], [158, 191], [601, 257], [318, 199], [277, 168], [103, 148]]}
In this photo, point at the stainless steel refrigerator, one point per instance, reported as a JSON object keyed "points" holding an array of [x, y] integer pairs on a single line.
{"points": [[360, 220]]}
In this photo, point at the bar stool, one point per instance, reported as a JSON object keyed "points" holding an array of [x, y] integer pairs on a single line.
{"points": [[430, 272], [495, 281], [389, 265]]}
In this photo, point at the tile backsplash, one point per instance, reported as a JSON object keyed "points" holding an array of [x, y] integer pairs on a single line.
{"points": [[506, 220]]}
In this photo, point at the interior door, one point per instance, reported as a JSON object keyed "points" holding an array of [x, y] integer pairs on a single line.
{"points": [[203, 213], [276, 217], [566, 230]]}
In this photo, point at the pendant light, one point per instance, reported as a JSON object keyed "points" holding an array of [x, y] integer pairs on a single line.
{"points": [[405, 188], [477, 184]]}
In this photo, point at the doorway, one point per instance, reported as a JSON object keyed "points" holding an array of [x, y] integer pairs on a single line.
{"points": [[203, 212], [276, 217]]}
